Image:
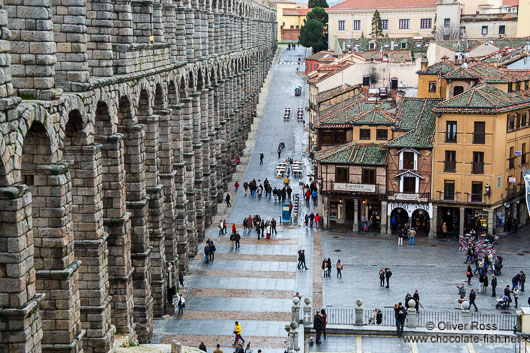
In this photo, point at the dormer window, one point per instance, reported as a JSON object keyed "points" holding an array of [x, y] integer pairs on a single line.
{"points": [[408, 159]]}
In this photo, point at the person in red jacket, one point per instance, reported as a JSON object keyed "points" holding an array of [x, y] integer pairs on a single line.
{"points": [[233, 229]]}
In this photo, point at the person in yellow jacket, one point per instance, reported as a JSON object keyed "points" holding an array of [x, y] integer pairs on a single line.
{"points": [[237, 332]]}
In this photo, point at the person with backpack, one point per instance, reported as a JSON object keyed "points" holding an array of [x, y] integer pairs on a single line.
{"points": [[237, 332], [388, 274], [227, 199]]}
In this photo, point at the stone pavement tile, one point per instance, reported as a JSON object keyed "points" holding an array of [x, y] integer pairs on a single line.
{"points": [[225, 327], [269, 284], [281, 241], [246, 273], [239, 304], [495, 347], [249, 257], [247, 265], [224, 340], [379, 344], [251, 249], [235, 315], [240, 293]]}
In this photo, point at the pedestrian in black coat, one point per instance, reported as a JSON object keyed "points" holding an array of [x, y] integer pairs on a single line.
{"points": [[318, 325], [388, 274], [493, 285]]}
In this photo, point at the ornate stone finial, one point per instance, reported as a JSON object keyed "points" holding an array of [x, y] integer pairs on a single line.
{"points": [[307, 300], [465, 305], [411, 303], [359, 302], [296, 300], [294, 325]]}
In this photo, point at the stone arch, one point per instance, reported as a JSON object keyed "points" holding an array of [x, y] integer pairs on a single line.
{"points": [[201, 80], [36, 150], [172, 93], [103, 125], [74, 133], [159, 103], [144, 108]]}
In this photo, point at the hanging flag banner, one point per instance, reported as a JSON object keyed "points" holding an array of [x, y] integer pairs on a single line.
{"points": [[526, 176]]}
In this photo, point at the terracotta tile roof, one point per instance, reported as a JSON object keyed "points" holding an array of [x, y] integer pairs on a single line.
{"points": [[440, 68], [510, 2], [484, 99], [343, 114], [319, 55], [395, 56], [383, 4], [352, 153], [487, 73], [295, 12], [330, 93], [374, 116], [470, 44], [416, 116], [330, 72]]}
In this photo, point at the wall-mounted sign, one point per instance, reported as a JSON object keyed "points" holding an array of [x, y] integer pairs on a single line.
{"points": [[354, 187], [512, 180], [410, 207], [518, 153]]}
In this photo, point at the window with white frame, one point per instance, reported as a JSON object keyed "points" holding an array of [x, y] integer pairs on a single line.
{"points": [[409, 182], [484, 30], [426, 23], [404, 23], [342, 25], [408, 159], [357, 25], [447, 22], [384, 25]]}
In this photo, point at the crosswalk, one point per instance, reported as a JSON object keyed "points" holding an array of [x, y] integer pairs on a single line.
{"points": [[288, 63]]}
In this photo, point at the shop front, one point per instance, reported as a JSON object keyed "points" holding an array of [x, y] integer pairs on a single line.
{"points": [[357, 212], [414, 214]]}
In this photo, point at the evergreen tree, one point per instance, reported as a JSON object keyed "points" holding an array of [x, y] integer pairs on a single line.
{"points": [[377, 27], [312, 35], [317, 3], [318, 14]]}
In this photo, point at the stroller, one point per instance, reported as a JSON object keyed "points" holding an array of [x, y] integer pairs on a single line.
{"points": [[502, 302]]}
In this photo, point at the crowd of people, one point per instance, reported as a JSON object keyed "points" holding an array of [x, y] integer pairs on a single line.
{"points": [[310, 219], [326, 267], [264, 228]]}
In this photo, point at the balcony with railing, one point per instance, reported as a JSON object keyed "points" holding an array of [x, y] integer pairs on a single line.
{"points": [[473, 197], [405, 196], [479, 138], [447, 196], [515, 191]]}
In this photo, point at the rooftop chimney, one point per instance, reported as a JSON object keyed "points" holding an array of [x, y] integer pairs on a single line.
{"points": [[424, 64], [393, 88], [366, 84]]}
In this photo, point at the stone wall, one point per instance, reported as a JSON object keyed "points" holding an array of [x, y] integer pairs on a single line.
{"points": [[120, 124]]}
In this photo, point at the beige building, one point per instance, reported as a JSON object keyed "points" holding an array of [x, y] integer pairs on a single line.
{"points": [[400, 18], [290, 17], [523, 29]]}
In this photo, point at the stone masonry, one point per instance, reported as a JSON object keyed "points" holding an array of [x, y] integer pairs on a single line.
{"points": [[120, 123]]}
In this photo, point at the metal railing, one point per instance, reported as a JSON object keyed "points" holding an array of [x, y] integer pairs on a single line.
{"points": [[497, 321], [450, 166]]}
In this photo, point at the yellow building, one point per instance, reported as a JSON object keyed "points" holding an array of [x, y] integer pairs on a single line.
{"points": [[290, 17], [523, 29], [481, 144], [399, 19], [430, 79]]}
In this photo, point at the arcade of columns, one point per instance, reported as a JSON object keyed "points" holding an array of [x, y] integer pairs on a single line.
{"points": [[120, 123]]}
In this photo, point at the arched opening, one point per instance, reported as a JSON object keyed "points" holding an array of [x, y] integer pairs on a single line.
{"points": [[420, 221], [36, 151], [159, 98], [103, 124], [172, 93], [398, 218], [143, 103], [74, 134], [457, 90]]}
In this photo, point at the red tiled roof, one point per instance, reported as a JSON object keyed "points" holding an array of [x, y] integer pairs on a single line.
{"points": [[383, 4], [295, 12], [510, 2]]}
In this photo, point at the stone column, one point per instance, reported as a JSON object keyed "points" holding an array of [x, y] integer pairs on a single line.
{"points": [[213, 150], [142, 14], [155, 216], [491, 220], [222, 32], [384, 210], [461, 221], [170, 29], [189, 158], [205, 140], [123, 38], [33, 50], [117, 224], [389, 225], [167, 179], [91, 246], [190, 27], [19, 307], [199, 177], [197, 33], [356, 215], [158, 25], [57, 270], [211, 32], [220, 156], [217, 36], [179, 165], [204, 32], [70, 36]]}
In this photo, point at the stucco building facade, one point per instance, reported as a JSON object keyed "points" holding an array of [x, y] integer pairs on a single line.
{"points": [[120, 124]]}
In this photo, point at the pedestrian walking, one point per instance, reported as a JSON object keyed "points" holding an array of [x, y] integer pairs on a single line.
{"points": [[318, 325], [521, 281], [485, 283], [237, 239], [202, 346], [306, 219], [207, 253], [227, 199], [221, 227], [339, 270], [515, 280], [317, 220], [279, 153], [493, 285], [299, 265], [273, 226], [181, 279], [388, 274], [311, 219], [303, 260], [181, 305], [261, 158], [400, 236], [412, 235], [515, 293], [329, 267], [472, 297], [416, 297], [469, 274], [382, 277], [234, 228], [237, 333], [481, 284], [212, 250], [224, 225], [245, 186], [324, 321], [325, 267], [236, 185]]}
